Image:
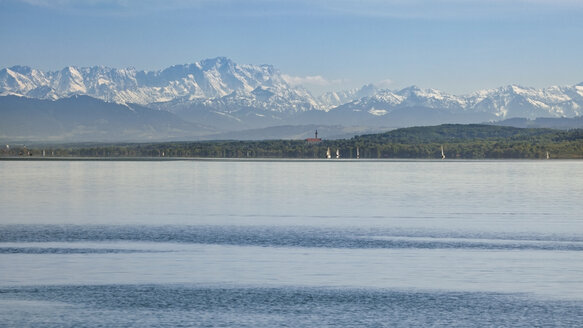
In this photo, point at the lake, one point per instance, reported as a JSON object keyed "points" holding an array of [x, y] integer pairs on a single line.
{"points": [[308, 243]]}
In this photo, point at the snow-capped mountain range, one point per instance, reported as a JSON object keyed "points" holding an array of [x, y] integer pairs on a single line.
{"points": [[223, 88], [503, 102], [212, 80]]}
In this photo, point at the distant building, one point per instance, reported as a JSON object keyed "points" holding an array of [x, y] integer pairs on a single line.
{"points": [[315, 139]]}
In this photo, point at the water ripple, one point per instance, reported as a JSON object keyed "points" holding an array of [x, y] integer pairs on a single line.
{"points": [[173, 305], [269, 236]]}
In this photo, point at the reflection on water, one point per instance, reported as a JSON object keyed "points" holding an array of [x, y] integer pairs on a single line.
{"points": [[500, 196]]}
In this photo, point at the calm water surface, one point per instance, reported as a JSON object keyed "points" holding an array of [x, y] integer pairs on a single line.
{"points": [[291, 243]]}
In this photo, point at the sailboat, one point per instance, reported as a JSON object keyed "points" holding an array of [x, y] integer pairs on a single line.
{"points": [[357, 152], [442, 153], [337, 153], [328, 154], [548, 156]]}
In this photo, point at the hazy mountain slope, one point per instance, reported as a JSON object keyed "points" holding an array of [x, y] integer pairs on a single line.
{"points": [[82, 118], [562, 123], [294, 132]]}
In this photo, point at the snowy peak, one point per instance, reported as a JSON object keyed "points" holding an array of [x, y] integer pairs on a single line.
{"points": [[432, 98], [206, 79], [19, 79], [218, 62], [333, 99], [69, 81]]}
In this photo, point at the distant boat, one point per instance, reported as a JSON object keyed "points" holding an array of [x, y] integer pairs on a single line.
{"points": [[337, 153], [442, 153], [357, 152], [328, 154], [548, 156]]}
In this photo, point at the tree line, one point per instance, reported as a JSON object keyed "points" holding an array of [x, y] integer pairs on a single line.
{"points": [[458, 141]]}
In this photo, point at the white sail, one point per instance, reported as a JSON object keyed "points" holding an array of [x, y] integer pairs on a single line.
{"points": [[442, 153], [328, 154], [548, 156], [357, 152], [337, 153]]}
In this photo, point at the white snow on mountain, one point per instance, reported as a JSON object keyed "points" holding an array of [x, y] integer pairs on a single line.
{"points": [[220, 85], [517, 101], [207, 80], [504, 102]]}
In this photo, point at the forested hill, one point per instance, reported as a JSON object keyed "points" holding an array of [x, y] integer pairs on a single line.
{"points": [[456, 133], [475, 141], [458, 142]]}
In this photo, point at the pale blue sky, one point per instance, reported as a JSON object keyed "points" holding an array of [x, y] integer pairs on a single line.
{"points": [[454, 45]]}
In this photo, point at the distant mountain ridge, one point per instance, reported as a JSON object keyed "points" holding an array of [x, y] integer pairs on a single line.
{"points": [[219, 84], [225, 96], [503, 102]]}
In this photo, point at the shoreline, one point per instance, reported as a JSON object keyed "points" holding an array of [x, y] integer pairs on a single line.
{"points": [[267, 159]]}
